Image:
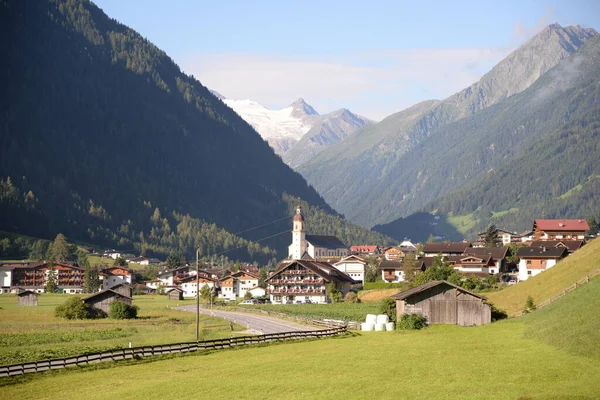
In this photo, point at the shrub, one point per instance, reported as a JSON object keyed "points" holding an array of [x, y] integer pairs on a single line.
{"points": [[412, 321], [529, 305], [75, 308], [498, 314], [351, 297], [120, 310], [388, 307]]}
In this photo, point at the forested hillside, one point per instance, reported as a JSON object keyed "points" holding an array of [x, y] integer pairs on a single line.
{"points": [[104, 139], [391, 169], [536, 154]]}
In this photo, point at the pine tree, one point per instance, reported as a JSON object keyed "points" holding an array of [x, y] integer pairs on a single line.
{"points": [[51, 281], [60, 249], [491, 236]]}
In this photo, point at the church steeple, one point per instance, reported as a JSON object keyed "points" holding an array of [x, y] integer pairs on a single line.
{"points": [[298, 246]]}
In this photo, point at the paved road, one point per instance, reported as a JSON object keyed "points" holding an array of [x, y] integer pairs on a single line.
{"points": [[256, 324]]}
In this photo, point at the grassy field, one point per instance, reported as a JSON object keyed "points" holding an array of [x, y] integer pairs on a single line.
{"points": [[377, 295], [552, 353], [33, 333], [343, 311], [550, 282]]}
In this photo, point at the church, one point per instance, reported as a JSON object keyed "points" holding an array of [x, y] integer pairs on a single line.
{"points": [[313, 247], [304, 277]]}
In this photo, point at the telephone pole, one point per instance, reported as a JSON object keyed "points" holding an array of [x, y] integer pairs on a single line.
{"points": [[197, 295]]}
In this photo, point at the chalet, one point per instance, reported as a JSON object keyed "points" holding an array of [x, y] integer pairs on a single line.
{"points": [[392, 271], [315, 246], [191, 286], [33, 276], [102, 300], [393, 253], [570, 245], [237, 284], [471, 264], [442, 302], [498, 255], [116, 275], [174, 276], [560, 229], [445, 249], [27, 298], [153, 284], [354, 266], [534, 260], [364, 250], [306, 281]]}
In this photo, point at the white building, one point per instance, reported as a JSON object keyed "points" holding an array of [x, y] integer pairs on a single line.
{"points": [[534, 260], [237, 284], [354, 266], [190, 285], [315, 246]]}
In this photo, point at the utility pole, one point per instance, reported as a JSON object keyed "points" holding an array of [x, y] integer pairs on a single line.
{"points": [[197, 295]]}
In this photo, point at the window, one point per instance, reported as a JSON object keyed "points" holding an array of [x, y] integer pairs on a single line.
{"points": [[528, 262], [528, 272]]}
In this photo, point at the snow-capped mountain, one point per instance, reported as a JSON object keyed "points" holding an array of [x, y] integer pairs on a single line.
{"points": [[283, 129]]}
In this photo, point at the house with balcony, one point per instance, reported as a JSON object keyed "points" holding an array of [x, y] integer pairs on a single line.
{"points": [[471, 264], [392, 271], [33, 276], [498, 255], [306, 281], [192, 286], [560, 229]]}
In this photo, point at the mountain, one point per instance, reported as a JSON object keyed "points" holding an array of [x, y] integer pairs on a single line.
{"points": [[326, 130], [280, 128], [105, 140], [535, 154], [297, 132], [360, 175]]}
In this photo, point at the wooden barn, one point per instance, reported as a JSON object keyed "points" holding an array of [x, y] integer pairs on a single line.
{"points": [[123, 288], [27, 298], [175, 294], [442, 302], [102, 300]]}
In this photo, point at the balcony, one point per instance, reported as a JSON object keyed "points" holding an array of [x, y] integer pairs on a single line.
{"points": [[297, 281], [296, 291]]}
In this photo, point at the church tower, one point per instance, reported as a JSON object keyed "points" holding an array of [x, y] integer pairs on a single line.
{"points": [[298, 246]]}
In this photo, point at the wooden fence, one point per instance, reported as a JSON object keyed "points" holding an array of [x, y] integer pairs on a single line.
{"points": [[574, 286], [149, 351]]}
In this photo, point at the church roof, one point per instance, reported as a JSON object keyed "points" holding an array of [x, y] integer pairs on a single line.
{"points": [[328, 242]]}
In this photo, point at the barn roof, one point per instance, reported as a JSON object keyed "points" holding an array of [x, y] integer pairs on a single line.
{"points": [[454, 247], [107, 291], [27, 293], [429, 285]]}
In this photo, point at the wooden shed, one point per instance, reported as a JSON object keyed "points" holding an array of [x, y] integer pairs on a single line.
{"points": [[102, 300], [442, 302], [27, 298], [123, 288], [175, 294]]}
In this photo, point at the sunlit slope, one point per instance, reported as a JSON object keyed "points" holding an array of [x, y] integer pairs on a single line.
{"points": [[551, 282], [570, 323]]}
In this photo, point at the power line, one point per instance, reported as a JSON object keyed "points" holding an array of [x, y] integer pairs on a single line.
{"points": [[255, 241], [260, 226]]}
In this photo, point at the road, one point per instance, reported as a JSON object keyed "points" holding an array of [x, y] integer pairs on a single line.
{"points": [[256, 324]]}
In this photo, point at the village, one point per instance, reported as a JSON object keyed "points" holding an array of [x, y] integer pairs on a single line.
{"points": [[318, 269]]}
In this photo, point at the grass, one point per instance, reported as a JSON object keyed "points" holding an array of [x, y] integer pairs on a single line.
{"points": [[462, 223], [376, 295], [33, 333], [551, 353], [550, 282], [441, 362], [343, 311], [502, 213]]}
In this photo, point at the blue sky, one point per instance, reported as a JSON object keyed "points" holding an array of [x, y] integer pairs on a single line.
{"points": [[375, 57]]}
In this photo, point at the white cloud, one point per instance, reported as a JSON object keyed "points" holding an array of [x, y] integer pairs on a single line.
{"points": [[374, 84]]}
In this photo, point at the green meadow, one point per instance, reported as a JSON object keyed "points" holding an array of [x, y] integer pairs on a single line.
{"points": [[34, 333]]}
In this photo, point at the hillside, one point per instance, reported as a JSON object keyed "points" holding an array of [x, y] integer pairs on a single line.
{"points": [[378, 175], [105, 140], [550, 282], [551, 126]]}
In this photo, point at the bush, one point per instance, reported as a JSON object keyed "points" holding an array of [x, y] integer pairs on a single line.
{"points": [[412, 321], [351, 297], [388, 307], [75, 308], [529, 305], [498, 314], [120, 310]]}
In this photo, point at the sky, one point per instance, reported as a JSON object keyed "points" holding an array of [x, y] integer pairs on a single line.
{"points": [[372, 57]]}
